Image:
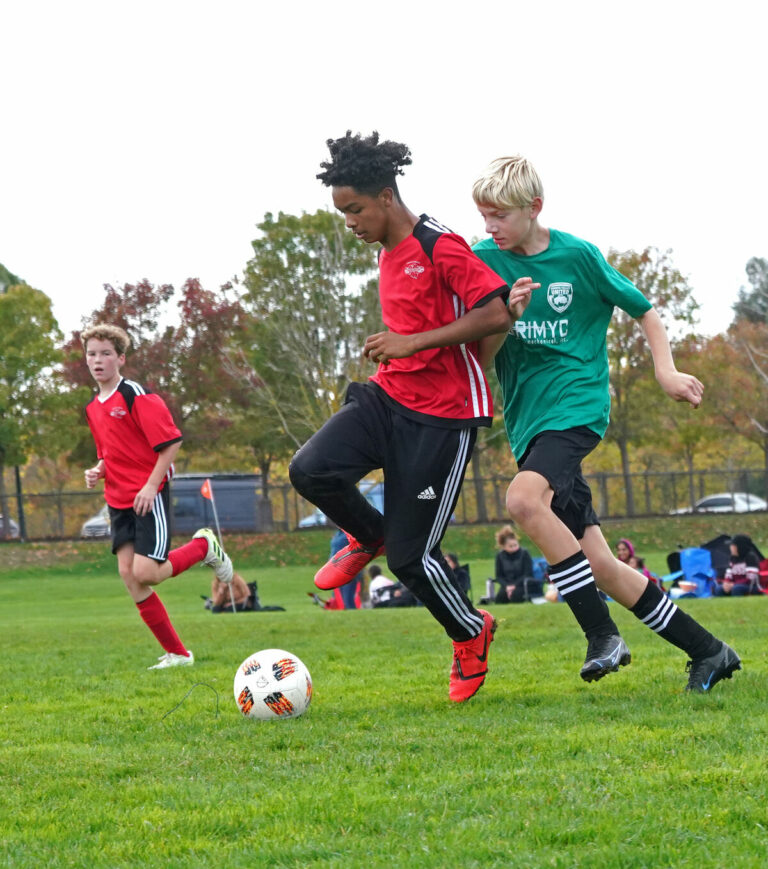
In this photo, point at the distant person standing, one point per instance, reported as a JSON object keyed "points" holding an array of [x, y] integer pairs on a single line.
{"points": [[136, 443]]}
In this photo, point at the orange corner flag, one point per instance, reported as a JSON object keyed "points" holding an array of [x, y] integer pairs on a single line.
{"points": [[205, 490]]}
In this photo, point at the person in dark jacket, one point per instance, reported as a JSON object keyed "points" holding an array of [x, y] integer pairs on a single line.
{"points": [[741, 576], [514, 570]]}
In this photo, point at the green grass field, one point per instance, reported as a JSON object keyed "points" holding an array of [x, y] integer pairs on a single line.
{"points": [[104, 764]]}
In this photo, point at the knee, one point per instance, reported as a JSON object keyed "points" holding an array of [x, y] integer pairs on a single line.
{"points": [[144, 575], [301, 473], [521, 507], [296, 473]]}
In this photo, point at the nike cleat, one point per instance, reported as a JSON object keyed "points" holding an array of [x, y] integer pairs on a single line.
{"points": [[703, 673], [604, 655], [216, 557], [470, 661], [347, 563]]}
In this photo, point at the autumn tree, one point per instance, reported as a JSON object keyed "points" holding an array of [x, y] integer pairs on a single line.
{"points": [[739, 395], [635, 397], [684, 434], [312, 297], [179, 357]]}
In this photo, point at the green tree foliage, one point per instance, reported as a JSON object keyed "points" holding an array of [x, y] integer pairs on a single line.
{"points": [[751, 305], [635, 396], [7, 279], [30, 399], [312, 296]]}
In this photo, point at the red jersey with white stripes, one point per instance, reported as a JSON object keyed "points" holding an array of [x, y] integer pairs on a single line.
{"points": [[130, 427], [429, 280]]}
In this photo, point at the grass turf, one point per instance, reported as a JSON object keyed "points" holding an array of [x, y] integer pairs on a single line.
{"points": [[105, 764]]}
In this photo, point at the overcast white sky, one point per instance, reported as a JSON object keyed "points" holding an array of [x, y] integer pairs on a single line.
{"points": [[147, 139]]}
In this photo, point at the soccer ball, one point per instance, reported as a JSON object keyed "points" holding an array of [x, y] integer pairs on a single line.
{"points": [[272, 684]]}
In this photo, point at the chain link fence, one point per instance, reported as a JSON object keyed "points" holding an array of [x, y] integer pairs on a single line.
{"points": [[60, 515]]}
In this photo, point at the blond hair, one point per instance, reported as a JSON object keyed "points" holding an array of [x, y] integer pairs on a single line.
{"points": [[508, 182], [504, 534], [107, 332]]}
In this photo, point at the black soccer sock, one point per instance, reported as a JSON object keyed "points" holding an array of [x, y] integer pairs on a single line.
{"points": [[660, 614], [573, 579]]}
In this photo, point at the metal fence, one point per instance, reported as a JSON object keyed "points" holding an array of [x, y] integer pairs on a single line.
{"points": [[60, 515]]}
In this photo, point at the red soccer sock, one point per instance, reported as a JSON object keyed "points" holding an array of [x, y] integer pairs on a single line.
{"points": [[185, 556], [156, 619]]}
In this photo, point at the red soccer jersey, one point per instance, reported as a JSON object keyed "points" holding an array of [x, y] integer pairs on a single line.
{"points": [[130, 428], [429, 280]]}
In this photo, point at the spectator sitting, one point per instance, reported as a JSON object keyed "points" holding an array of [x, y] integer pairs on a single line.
{"points": [[625, 552], [514, 570], [387, 593], [380, 588], [741, 576], [460, 571], [245, 594]]}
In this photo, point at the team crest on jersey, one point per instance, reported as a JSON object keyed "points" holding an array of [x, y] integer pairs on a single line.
{"points": [[560, 296], [119, 412], [413, 269]]}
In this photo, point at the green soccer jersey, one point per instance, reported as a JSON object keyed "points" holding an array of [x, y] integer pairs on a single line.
{"points": [[553, 367]]}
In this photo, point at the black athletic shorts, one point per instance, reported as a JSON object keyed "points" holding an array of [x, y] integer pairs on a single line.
{"points": [[150, 534], [557, 456]]}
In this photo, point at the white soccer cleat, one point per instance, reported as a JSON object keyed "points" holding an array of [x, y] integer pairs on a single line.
{"points": [[171, 660], [216, 558]]}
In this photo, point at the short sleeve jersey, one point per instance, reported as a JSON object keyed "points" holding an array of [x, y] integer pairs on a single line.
{"points": [[130, 427], [553, 367], [429, 280]]}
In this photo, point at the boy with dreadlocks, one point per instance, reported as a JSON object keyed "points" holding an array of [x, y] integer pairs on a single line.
{"points": [[417, 417]]}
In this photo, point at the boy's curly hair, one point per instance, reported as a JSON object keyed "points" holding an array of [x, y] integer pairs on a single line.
{"points": [[107, 332], [364, 163]]}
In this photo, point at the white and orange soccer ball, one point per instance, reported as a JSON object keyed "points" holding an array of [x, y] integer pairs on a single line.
{"points": [[272, 684]]}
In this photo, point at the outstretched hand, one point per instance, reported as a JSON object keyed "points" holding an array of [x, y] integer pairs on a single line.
{"points": [[520, 296]]}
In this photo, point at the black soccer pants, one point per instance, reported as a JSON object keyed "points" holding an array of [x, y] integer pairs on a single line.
{"points": [[423, 469]]}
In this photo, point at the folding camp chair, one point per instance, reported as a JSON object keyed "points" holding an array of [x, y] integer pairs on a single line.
{"points": [[697, 573]]}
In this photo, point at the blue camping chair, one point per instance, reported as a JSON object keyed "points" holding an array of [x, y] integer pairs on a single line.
{"points": [[695, 567]]}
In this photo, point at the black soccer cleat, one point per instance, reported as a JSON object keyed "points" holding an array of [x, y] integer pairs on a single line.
{"points": [[604, 655], [703, 673]]}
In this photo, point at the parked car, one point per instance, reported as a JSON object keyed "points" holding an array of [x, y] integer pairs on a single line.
{"points": [[727, 502], [11, 529], [316, 519], [98, 525], [237, 502], [374, 494]]}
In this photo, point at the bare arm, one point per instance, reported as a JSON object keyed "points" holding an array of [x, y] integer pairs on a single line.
{"points": [[145, 497], [677, 385], [485, 320]]}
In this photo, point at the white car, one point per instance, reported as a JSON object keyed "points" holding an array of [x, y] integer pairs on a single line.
{"points": [[11, 528], [98, 525], [727, 502], [374, 493]]}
